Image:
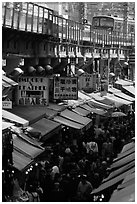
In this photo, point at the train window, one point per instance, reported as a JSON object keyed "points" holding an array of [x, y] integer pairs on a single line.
{"points": [[106, 22], [103, 22], [95, 22], [132, 28]]}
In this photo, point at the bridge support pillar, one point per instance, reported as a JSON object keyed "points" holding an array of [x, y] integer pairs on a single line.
{"points": [[44, 61], [31, 61], [12, 63]]}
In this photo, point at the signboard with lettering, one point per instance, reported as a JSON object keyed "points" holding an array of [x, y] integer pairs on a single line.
{"points": [[87, 81], [66, 88], [33, 91], [6, 104]]}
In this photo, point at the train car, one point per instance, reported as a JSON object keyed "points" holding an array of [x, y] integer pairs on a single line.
{"points": [[113, 23], [103, 21]]}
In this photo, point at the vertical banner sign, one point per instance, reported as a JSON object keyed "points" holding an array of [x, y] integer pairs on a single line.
{"points": [[104, 75], [33, 91], [87, 81], [66, 88]]}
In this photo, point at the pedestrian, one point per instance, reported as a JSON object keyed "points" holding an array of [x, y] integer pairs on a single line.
{"points": [[84, 189]]}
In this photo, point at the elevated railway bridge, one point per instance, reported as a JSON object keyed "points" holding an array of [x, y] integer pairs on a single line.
{"points": [[39, 36]]}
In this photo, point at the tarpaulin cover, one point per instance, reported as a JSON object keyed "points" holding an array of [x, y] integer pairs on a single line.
{"points": [[128, 182], [124, 96], [30, 140], [102, 99], [125, 195], [124, 82], [25, 148], [98, 111], [118, 101], [20, 161], [124, 154], [97, 104], [75, 117], [46, 127], [33, 113], [86, 107], [6, 125], [120, 171], [68, 122], [113, 90], [6, 81], [14, 118], [128, 146], [112, 181], [83, 96], [81, 111], [56, 107], [123, 161], [130, 89]]}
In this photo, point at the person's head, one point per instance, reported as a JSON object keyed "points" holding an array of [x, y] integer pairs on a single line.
{"points": [[56, 186], [83, 178]]}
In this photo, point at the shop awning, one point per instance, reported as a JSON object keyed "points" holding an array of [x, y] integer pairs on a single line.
{"points": [[129, 180], [56, 107], [30, 140], [97, 104], [68, 123], [83, 96], [26, 148], [102, 99], [113, 90], [113, 181], [124, 82], [6, 82], [124, 154], [118, 101], [33, 113], [76, 118], [6, 125], [120, 171], [130, 89], [14, 118], [86, 107], [124, 96], [20, 161], [81, 111], [124, 195], [97, 111], [128, 146], [128, 159], [46, 127]]}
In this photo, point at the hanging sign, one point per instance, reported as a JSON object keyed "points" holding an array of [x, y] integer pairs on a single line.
{"points": [[66, 88], [33, 91], [6, 104], [87, 81]]}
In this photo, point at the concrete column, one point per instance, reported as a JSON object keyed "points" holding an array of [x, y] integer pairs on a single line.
{"points": [[31, 61], [44, 61], [12, 63]]}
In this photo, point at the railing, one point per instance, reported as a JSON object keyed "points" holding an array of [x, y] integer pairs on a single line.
{"points": [[31, 17]]}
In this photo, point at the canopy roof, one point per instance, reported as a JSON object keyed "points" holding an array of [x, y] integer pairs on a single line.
{"points": [[46, 127], [81, 111], [20, 161], [124, 82], [69, 123], [14, 118], [75, 117], [130, 89]]}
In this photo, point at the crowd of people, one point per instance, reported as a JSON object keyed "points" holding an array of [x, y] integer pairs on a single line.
{"points": [[70, 172]]}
